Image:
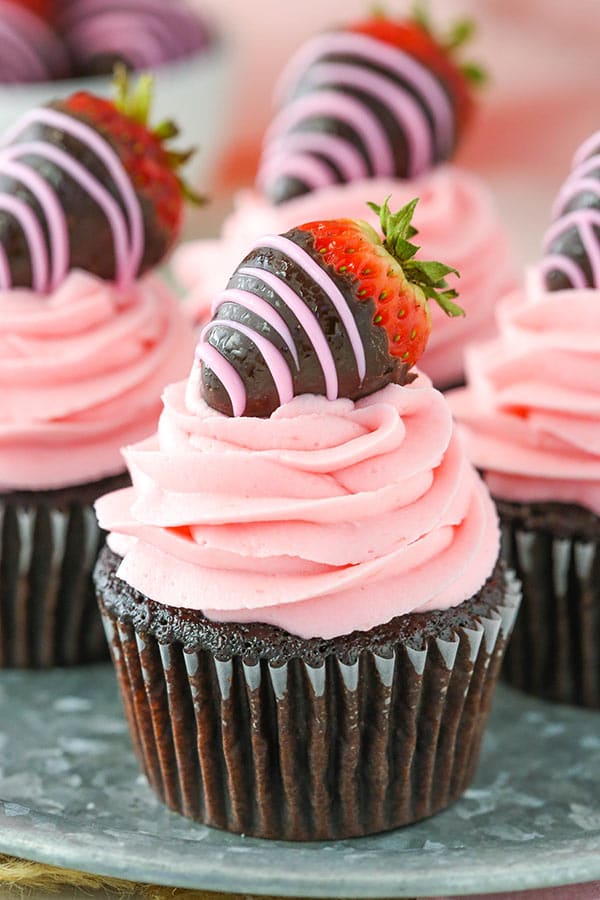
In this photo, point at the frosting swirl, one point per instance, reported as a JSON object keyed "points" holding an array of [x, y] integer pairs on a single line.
{"points": [[81, 373], [456, 221], [327, 517], [532, 405]]}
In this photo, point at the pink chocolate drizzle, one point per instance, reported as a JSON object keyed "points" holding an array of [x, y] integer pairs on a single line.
{"points": [[274, 358], [292, 153], [584, 222]]}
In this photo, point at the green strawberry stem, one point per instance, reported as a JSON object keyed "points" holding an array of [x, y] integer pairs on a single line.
{"points": [[461, 33], [430, 276], [135, 102], [378, 11], [419, 13]]}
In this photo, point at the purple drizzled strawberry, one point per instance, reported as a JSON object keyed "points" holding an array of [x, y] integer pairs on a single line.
{"points": [[572, 242]]}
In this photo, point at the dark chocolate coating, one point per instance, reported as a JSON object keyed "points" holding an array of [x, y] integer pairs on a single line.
{"points": [[569, 243], [262, 396], [284, 188]]}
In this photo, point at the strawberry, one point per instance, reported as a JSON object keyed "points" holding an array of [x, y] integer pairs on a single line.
{"points": [[327, 308], [387, 274], [113, 180], [415, 36], [380, 98]]}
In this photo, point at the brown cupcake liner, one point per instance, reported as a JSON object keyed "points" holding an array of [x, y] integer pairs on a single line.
{"points": [[303, 752], [555, 650], [49, 543]]}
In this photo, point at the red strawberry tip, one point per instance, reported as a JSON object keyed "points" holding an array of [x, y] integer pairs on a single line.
{"points": [[428, 275]]}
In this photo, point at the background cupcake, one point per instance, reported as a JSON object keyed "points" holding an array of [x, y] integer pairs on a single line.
{"points": [[89, 204], [306, 565], [532, 412], [374, 109]]}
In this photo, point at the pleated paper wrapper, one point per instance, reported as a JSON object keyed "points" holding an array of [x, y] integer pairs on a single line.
{"points": [[48, 549], [302, 752], [555, 649]]}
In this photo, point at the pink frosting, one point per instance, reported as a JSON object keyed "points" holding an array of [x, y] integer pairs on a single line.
{"points": [[81, 373], [532, 406], [457, 224], [328, 516]]}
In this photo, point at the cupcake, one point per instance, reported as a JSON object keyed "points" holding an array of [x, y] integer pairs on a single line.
{"points": [[301, 590], [30, 50], [375, 109], [532, 416], [89, 336]]}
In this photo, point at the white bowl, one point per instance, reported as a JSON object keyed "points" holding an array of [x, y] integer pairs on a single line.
{"points": [[195, 92]]}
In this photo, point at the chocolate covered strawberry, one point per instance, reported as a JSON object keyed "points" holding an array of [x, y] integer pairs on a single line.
{"points": [[381, 98], [327, 308], [86, 183], [572, 242]]}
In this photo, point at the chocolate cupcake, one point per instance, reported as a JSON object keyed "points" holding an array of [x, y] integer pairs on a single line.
{"points": [[532, 412], [86, 347], [301, 590]]}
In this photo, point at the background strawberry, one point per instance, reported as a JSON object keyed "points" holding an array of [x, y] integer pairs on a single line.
{"points": [[387, 274], [416, 36], [368, 297], [143, 186], [380, 98]]}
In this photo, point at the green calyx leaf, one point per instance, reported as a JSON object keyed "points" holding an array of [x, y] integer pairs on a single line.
{"points": [[166, 130], [191, 195], [475, 74], [397, 228], [459, 34], [419, 13], [134, 100], [378, 11], [428, 275]]}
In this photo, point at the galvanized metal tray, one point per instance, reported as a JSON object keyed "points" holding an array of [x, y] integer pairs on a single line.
{"points": [[72, 795]]}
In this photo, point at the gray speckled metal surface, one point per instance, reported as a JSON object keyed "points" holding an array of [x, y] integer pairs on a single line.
{"points": [[72, 795]]}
